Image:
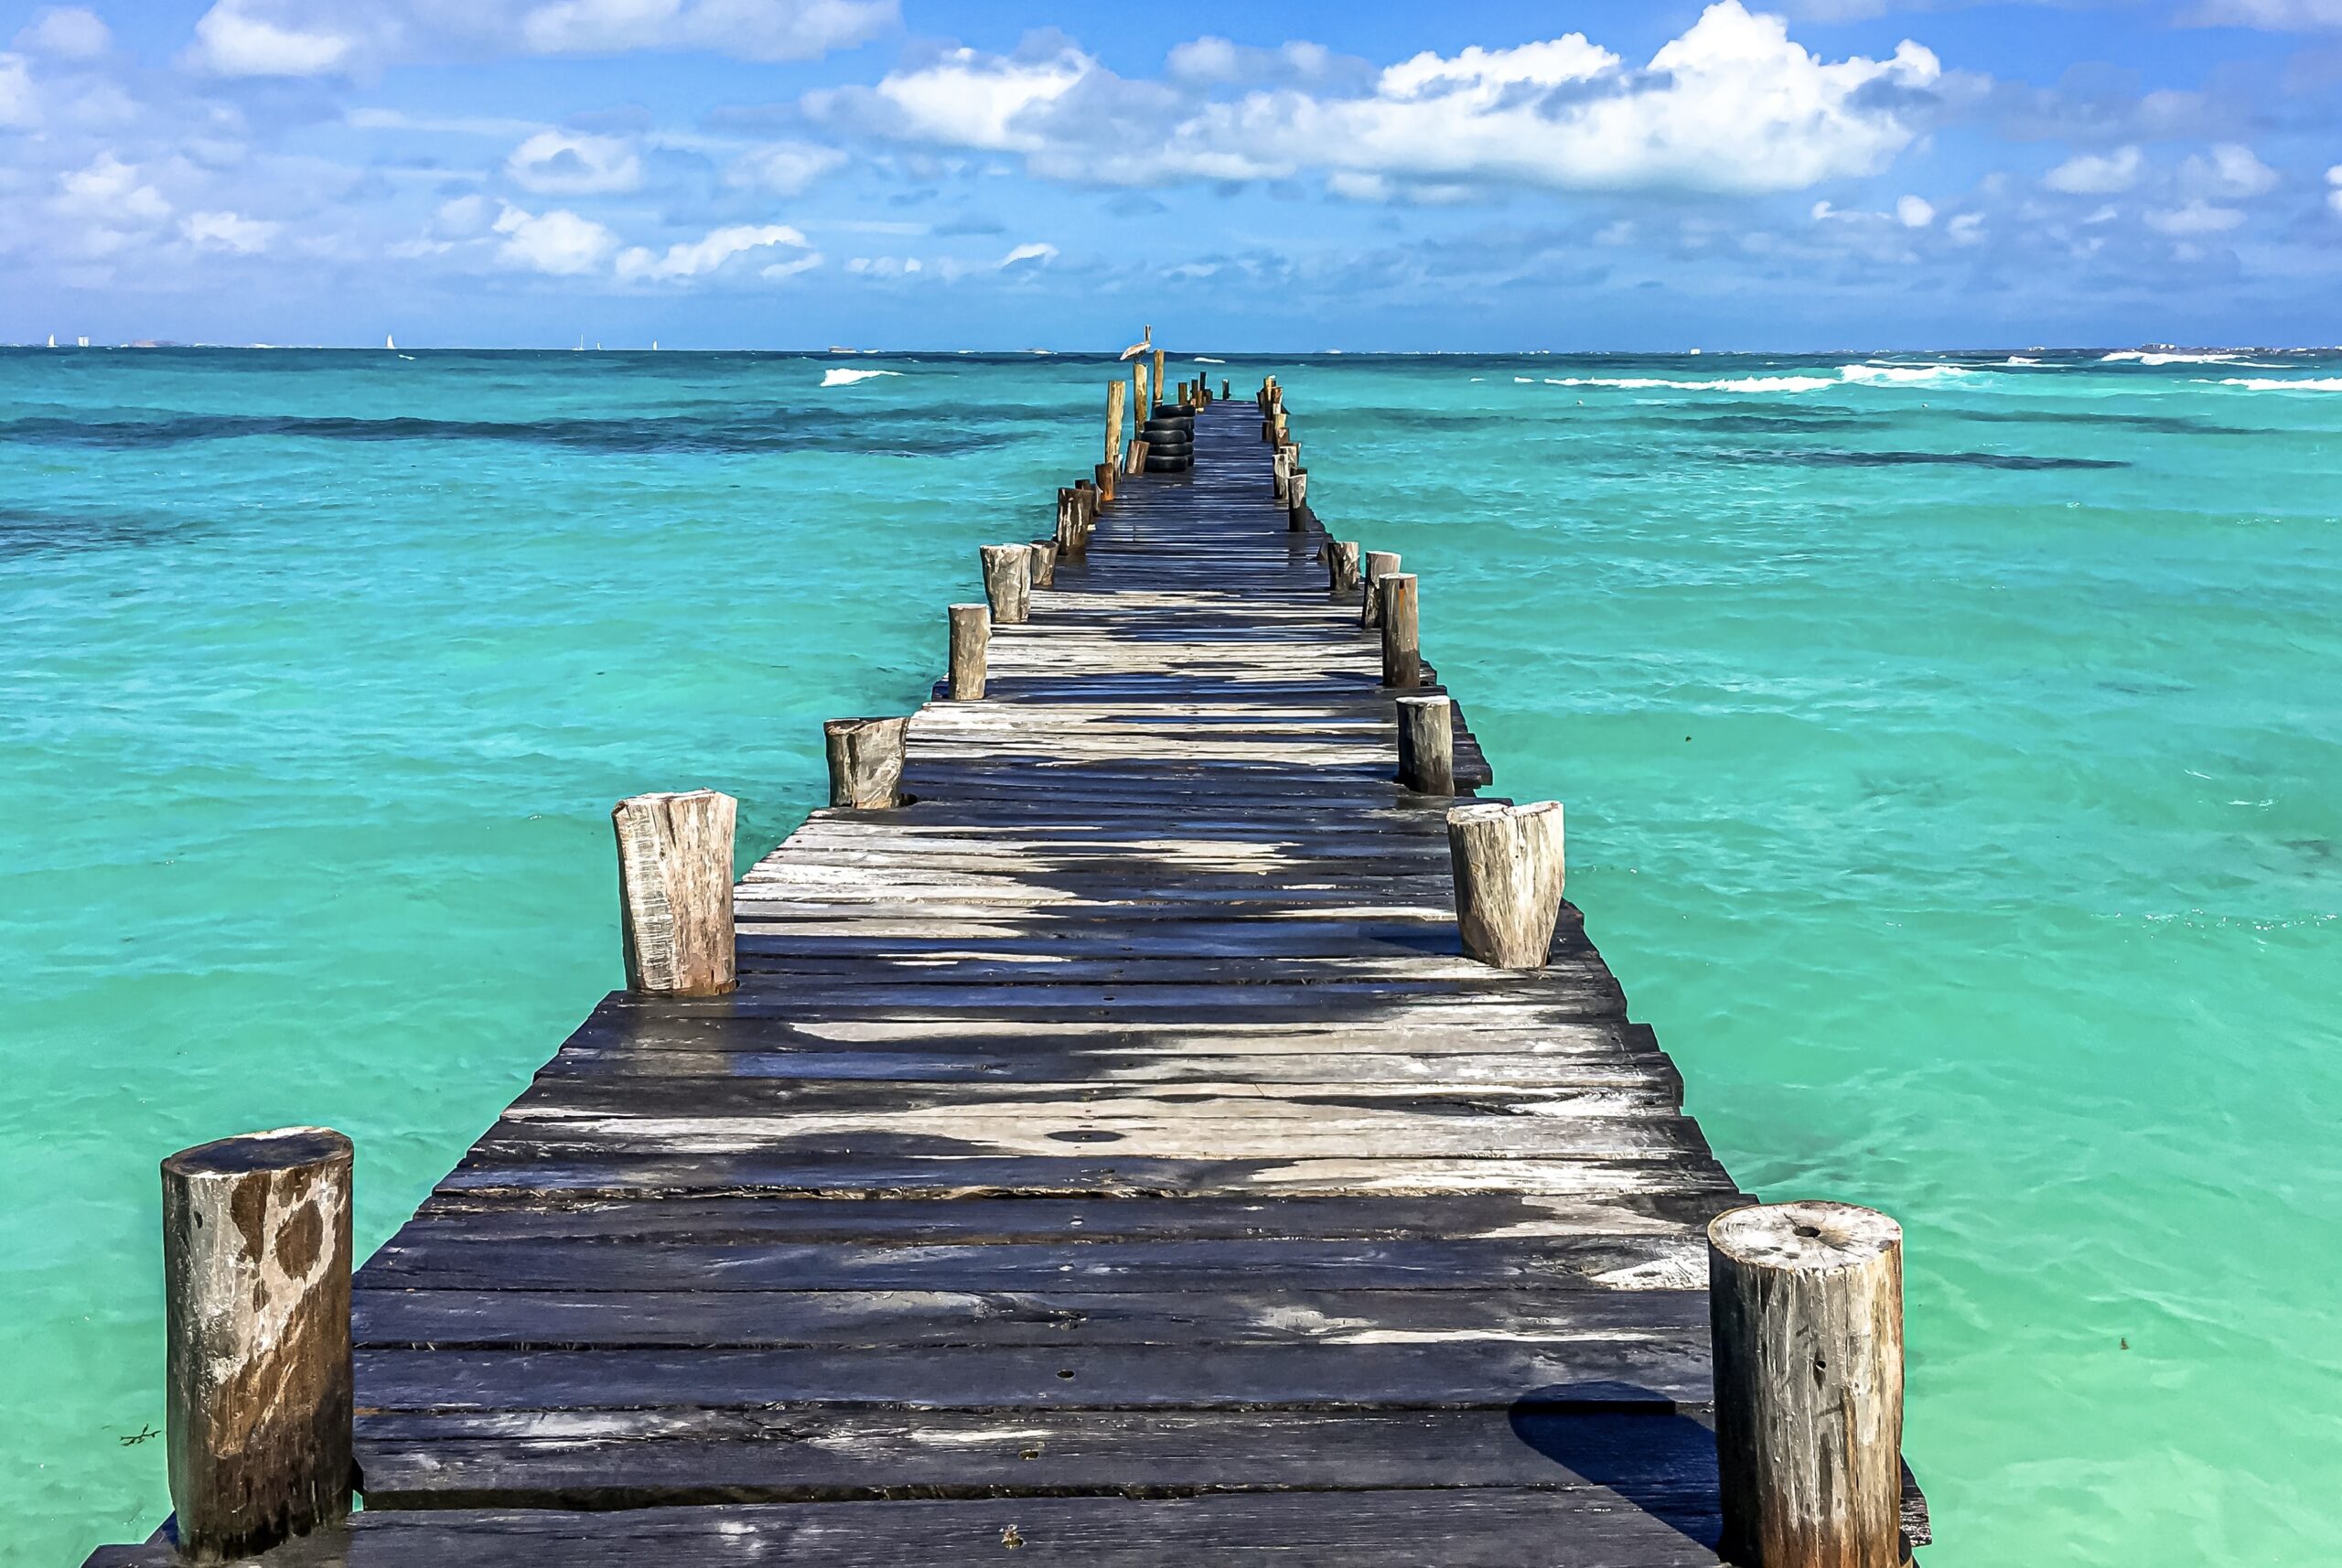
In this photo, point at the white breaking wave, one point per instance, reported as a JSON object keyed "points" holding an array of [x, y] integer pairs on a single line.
{"points": [[1902, 375], [2273, 383], [1208, 360], [1740, 385], [840, 376], [2145, 357], [2019, 359]]}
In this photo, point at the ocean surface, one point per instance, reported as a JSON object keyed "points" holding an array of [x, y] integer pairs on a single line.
{"points": [[1952, 748]]}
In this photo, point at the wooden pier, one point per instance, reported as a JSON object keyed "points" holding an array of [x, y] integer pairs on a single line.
{"points": [[1111, 1154]]}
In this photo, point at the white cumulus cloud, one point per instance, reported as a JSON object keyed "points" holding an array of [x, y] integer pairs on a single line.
{"points": [[783, 168], [699, 257], [560, 242], [2333, 194], [557, 163], [2091, 174], [228, 231], [1733, 105], [107, 190], [18, 104], [1036, 253], [1914, 213], [68, 32], [2227, 170], [970, 99], [2194, 218], [230, 40]]}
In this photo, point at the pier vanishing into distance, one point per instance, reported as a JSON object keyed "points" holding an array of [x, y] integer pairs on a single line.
{"points": [[1158, 1115]]}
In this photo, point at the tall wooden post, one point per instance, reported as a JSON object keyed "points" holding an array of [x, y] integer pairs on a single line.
{"points": [[256, 1335], [1402, 662], [866, 762], [1008, 582], [1805, 1305], [971, 642], [675, 891], [1142, 407], [1380, 564], [1427, 745], [1341, 567], [1114, 423], [1508, 878], [1162, 387]]}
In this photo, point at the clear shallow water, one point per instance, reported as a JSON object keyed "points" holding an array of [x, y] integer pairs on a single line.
{"points": [[1951, 760]]}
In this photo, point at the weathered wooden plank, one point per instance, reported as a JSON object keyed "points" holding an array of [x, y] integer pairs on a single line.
{"points": [[1665, 1460]]}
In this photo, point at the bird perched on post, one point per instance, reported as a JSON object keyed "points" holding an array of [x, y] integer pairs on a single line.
{"points": [[1145, 345]]}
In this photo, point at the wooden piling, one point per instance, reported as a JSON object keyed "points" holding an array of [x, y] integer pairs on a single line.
{"points": [[1138, 456], [1296, 495], [256, 1332], [1380, 564], [1114, 392], [1104, 474], [1160, 384], [1403, 664], [971, 642], [1805, 1304], [1140, 402], [1341, 567], [1427, 745], [866, 762], [1044, 562], [1280, 477], [1008, 582], [1508, 863], [675, 891]]}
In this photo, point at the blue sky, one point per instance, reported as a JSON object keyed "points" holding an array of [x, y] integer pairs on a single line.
{"points": [[1803, 174]]}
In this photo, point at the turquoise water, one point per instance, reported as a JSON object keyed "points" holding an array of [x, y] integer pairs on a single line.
{"points": [[1950, 755]]}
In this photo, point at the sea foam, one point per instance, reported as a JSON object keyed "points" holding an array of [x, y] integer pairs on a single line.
{"points": [[843, 376], [2279, 383]]}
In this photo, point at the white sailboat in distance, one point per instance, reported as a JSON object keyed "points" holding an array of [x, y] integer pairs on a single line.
{"points": [[389, 342]]}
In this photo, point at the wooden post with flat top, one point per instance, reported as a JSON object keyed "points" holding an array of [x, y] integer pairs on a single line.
{"points": [[970, 641], [1402, 662], [866, 762], [1044, 562], [1427, 745], [1008, 582], [1341, 567], [1380, 564], [1296, 495], [1508, 864], [1805, 1307], [256, 1336], [675, 891], [1114, 392]]}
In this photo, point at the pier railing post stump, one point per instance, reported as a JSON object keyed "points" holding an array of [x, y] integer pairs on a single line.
{"points": [[1008, 582], [1805, 1304], [675, 891], [1341, 567], [970, 641], [1380, 564], [1427, 745], [256, 1324], [1403, 661], [1508, 862], [1115, 391], [1044, 562], [1296, 495], [866, 762], [1105, 477]]}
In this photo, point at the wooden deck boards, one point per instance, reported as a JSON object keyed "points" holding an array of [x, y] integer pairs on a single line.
{"points": [[1109, 1156]]}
